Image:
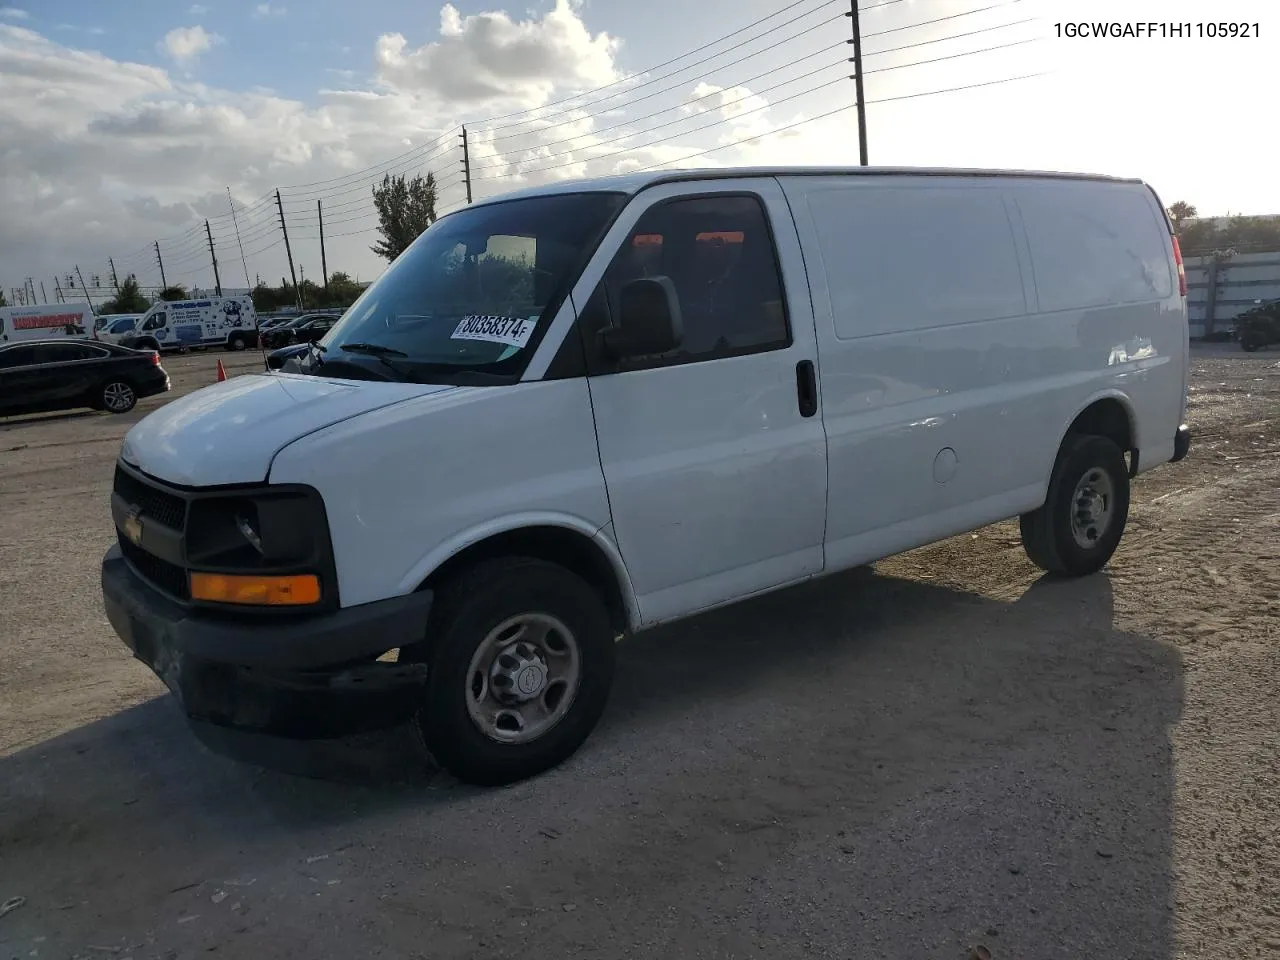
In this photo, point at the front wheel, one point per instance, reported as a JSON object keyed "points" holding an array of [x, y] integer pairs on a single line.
{"points": [[521, 658], [118, 396], [1083, 517]]}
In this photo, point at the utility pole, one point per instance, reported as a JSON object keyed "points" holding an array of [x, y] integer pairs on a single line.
{"points": [[114, 282], [284, 229], [164, 284], [324, 264], [243, 262], [217, 281], [302, 278], [84, 289], [466, 160], [43, 296], [857, 82]]}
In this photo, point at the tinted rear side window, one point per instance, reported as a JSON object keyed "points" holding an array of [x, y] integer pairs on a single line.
{"points": [[903, 258], [1094, 244]]}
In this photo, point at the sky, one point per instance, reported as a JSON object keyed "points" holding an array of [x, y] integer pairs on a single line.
{"points": [[124, 123]]}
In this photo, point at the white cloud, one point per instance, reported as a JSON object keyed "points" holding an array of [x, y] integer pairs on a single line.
{"points": [[187, 43], [14, 13], [198, 10], [264, 10], [489, 56]]}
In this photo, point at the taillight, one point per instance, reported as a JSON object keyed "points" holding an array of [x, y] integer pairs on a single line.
{"points": [[1182, 272], [155, 358]]}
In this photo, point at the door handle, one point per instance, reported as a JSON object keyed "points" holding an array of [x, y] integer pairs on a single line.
{"points": [[806, 388]]}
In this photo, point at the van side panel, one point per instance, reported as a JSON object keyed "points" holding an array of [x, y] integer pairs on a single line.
{"points": [[1103, 268], [946, 385]]}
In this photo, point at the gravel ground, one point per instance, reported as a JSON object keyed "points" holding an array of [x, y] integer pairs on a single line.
{"points": [[909, 762]]}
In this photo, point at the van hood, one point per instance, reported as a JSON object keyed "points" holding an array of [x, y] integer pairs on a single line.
{"points": [[231, 431]]}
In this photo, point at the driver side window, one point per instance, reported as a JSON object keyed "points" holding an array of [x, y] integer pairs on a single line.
{"points": [[155, 323], [719, 254]]}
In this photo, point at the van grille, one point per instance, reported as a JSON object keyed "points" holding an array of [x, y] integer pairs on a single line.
{"points": [[169, 577], [164, 508]]}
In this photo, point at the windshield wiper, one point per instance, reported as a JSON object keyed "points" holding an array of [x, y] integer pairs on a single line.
{"points": [[379, 353], [374, 349]]}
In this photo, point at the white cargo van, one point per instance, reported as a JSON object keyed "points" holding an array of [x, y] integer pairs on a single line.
{"points": [[43, 322], [228, 322], [583, 410], [115, 327]]}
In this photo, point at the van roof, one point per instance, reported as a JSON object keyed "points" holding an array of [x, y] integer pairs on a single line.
{"points": [[632, 183]]}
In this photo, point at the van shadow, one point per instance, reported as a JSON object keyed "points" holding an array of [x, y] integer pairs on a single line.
{"points": [[925, 765]]}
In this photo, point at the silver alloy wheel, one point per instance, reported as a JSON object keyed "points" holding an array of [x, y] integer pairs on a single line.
{"points": [[118, 397], [1092, 506], [523, 678]]}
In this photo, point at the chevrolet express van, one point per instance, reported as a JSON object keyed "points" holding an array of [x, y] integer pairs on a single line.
{"points": [[573, 413]]}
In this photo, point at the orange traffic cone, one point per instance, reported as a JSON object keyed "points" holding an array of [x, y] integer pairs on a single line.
{"points": [[222, 373]]}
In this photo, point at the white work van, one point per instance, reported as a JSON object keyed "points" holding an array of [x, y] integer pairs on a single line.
{"points": [[115, 327], [228, 322], [573, 413], [51, 320]]}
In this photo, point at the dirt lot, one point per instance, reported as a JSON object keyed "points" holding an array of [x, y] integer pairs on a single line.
{"points": [[944, 753]]}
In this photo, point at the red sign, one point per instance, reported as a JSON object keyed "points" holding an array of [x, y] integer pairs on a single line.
{"points": [[46, 321]]}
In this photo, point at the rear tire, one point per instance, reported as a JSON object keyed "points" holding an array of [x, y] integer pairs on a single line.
{"points": [[118, 396], [236, 342], [505, 636], [1079, 526]]}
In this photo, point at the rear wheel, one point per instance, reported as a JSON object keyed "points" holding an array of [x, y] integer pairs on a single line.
{"points": [[1079, 526], [237, 342], [521, 658], [118, 396]]}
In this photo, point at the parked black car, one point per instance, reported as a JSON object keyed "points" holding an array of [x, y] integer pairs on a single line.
{"points": [[276, 358], [40, 375], [1259, 326], [307, 328]]}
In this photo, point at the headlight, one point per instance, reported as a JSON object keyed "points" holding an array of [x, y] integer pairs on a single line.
{"points": [[261, 548]]}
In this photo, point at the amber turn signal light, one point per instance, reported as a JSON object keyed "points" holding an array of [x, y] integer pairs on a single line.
{"points": [[291, 591]]}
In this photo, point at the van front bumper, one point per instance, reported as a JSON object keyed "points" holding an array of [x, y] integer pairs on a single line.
{"points": [[307, 679]]}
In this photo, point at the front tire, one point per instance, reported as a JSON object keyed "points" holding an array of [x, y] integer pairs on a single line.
{"points": [[521, 657], [118, 396], [1079, 526]]}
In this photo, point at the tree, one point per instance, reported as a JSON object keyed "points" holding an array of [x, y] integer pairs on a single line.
{"points": [[1181, 210], [3, 301], [128, 299], [175, 292], [405, 209], [343, 291]]}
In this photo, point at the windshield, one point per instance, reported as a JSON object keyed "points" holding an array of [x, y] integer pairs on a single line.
{"points": [[474, 291], [121, 325]]}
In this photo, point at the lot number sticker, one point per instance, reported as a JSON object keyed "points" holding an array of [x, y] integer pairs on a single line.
{"points": [[513, 331]]}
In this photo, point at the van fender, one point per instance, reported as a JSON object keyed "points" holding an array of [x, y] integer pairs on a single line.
{"points": [[447, 549], [1109, 393]]}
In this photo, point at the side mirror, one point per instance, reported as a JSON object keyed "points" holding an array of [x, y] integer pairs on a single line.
{"points": [[649, 320]]}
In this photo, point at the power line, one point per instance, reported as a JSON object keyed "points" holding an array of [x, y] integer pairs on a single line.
{"points": [[749, 96], [738, 83], [659, 66], [831, 113], [658, 79], [366, 171], [669, 123], [654, 143], [953, 16]]}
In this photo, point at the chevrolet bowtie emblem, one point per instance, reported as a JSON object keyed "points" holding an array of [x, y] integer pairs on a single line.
{"points": [[133, 525]]}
